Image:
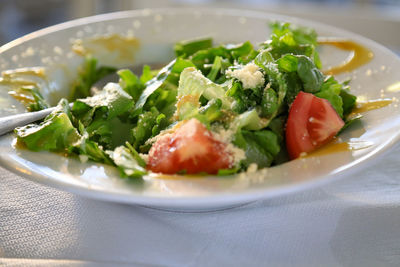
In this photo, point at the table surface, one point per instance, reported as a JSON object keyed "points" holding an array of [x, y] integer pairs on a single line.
{"points": [[354, 221]]}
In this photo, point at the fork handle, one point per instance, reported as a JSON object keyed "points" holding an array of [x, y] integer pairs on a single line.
{"points": [[9, 123]]}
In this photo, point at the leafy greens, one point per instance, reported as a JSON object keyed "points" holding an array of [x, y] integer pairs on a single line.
{"points": [[206, 82]]}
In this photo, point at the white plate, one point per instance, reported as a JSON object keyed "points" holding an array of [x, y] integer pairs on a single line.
{"points": [[157, 31]]}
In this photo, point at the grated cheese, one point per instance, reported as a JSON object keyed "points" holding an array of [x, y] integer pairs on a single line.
{"points": [[225, 136], [252, 168], [250, 76]]}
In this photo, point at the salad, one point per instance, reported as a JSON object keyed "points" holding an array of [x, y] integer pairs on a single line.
{"points": [[214, 109]]}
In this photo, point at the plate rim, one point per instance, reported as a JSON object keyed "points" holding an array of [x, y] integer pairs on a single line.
{"points": [[195, 202]]}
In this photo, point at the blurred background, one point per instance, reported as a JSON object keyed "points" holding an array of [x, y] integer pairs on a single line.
{"points": [[376, 19]]}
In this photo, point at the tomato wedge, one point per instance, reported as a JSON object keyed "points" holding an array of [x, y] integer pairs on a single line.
{"points": [[190, 149], [312, 122]]}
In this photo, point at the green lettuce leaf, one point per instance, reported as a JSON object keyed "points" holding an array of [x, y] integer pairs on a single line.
{"points": [[310, 76], [55, 133], [287, 38], [250, 120], [102, 113], [39, 102], [90, 148], [192, 85], [349, 100], [130, 83], [149, 124], [153, 85], [89, 74], [229, 54], [272, 102], [126, 162], [189, 47], [147, 74], [215, 69], [112, 97], [260, 147], [210, 112]]}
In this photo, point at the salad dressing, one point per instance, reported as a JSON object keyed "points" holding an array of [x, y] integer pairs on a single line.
{"points": [[395, 87], [335, 146], [370, 105], [360, 55], [193, 99], [35, 71], [175, 176], [126, 46], [25, 99], [18, 144], [23, 78], [330, 148]]}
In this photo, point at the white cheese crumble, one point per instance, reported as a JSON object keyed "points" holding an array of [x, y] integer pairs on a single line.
{"points": [[110, 93], [225, 136], [253, 167], [250, 76], [237, 153], [248, 177]]}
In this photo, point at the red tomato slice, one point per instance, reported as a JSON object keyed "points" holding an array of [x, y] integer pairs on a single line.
{"points": [[191, 148], [312, 122]]}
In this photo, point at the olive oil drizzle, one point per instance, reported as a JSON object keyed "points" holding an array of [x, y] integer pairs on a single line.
{"points": [[360, 55], [125, 46], [337, 146], [362, 107], [330, 148]]}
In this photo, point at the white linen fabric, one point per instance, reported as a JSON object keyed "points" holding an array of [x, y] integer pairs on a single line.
{"points": [[351, 222]]}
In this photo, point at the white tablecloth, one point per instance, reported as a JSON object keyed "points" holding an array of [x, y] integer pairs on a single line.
{"points": [[352, 222]]}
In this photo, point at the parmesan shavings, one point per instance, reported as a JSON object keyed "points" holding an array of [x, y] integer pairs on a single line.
{"points": [[250, 76], [225, 136]]}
